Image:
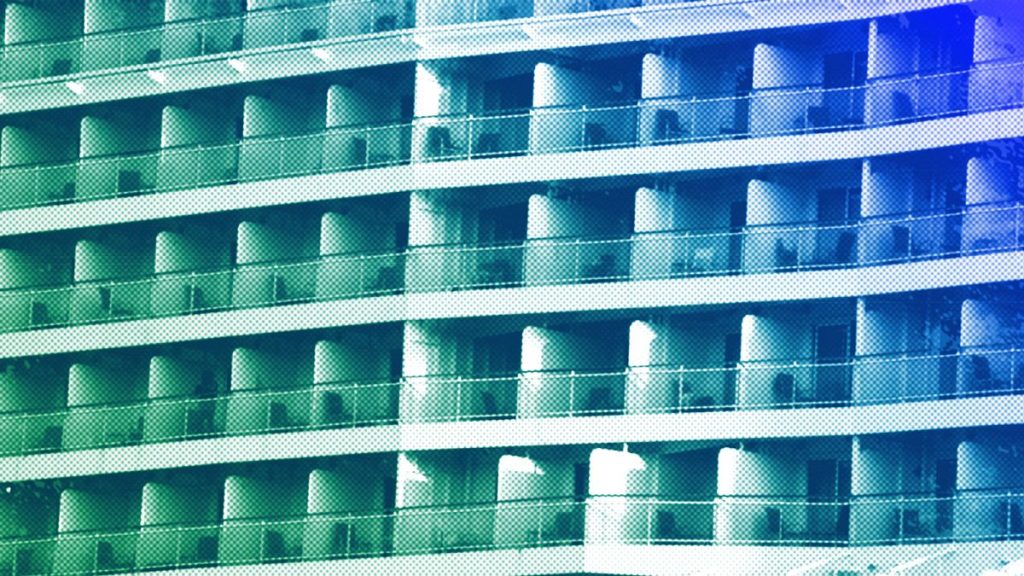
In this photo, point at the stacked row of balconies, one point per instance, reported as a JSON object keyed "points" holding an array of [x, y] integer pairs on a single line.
{"points": [[864, 491], [882, 211], [44, 38], [53, 38], [863, 485], [931, 346], [837, 77]]}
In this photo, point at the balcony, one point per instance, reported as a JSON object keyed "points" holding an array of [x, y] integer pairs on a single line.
{"points": [[189, 33], [750, 386], [600, 520], [537, 131], [543, 261], [172, 419], [191, 37]]}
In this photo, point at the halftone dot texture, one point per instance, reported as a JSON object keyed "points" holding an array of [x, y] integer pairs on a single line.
{"points": [[723, 287]]}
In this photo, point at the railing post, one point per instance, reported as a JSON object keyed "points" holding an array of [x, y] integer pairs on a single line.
{"points": [[37, 187], [355, 405], [807, 115], [583, 126], [1016, 226], [572, 391], [280, 155], [458, 398], [577, 274], [680, 384], [1014, 384], [366, 151], [693, 116], [650, 507], [904, 375], [1008, 517], [348, 540], [796, 384], [540, 523], [901, 516], [177, 548], [24, 436], [361, 275], [469, 137], [263, 539]]}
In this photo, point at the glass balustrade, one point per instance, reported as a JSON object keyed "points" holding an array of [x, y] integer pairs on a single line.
{"points": [[323, 405], [904, 519], [728, 520], [538, 261], [751, 385], [772, 112], [278, 26], [196, 37]]}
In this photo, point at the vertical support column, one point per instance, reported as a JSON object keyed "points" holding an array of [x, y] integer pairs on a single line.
{"points": [[117, 153], [26, 23], [175, 502], [98, 510], [190, 264], [353, 383], [23, 146], [104, 47], [431, 486], [199, 144], [997, 38], [268, 501], [282, 133]]}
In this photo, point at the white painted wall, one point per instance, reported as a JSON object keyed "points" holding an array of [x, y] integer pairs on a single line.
{"points": [[110, 381], [648, 389], [990, 181], [769, 338], [742, 472], [287, 111], [352, 233], [359, 103], [778, 202], [95, 510], [172, 503]]}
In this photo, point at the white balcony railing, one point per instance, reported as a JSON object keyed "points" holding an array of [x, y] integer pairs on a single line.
{"points": [[650, 122], [637, 520], [543, 261], [194, 37], [289, 24], [752, 385]]}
